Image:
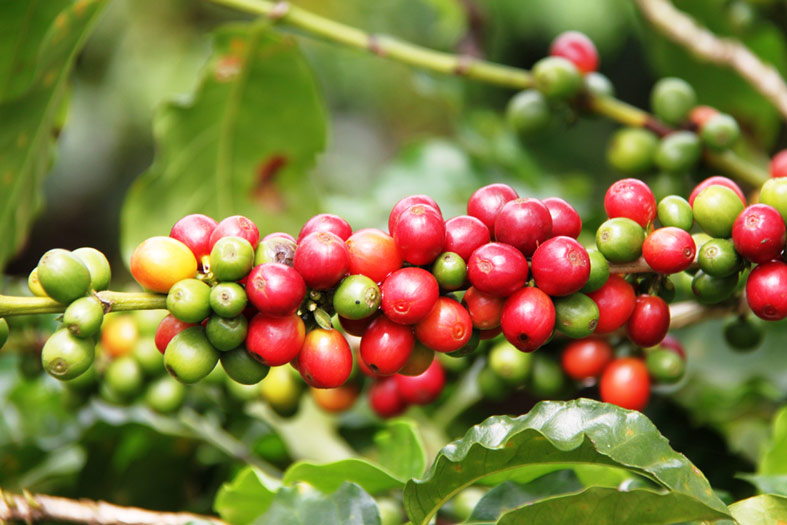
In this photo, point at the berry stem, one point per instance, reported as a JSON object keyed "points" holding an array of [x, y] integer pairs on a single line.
{"points": [[115, 301]]}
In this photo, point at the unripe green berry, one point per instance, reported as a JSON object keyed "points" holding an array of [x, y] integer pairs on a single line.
{"points": [[147, 355], [715, 210], [720, 132], [744, 334], [189, 300], [228, 299], [546, 379], [97, 265], [357, 297], [226, 334], [528, 112], [189, 356], [510, 365], [450, 271], [242, 368], [576, 315], [672, 99], [678, 152], [165, 395], [631, 150], [665, 366], [620, 240], [491, 386], [598, 85], [34, 284], [711, 290], [124, 377], [718, 258], [65, 356], [774, 193], [599, 271], [63, 276], [84, 316], [675, 211], [231, 258], [557, 77]]}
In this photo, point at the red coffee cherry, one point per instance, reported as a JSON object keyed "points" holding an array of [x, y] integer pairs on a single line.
{"points": [[275, 289], [649, 322], [405, 203], [670, 342], [766, 291], [409, 294], [586, 358], [385, 399], [279, 234], [373, 253], [524, 224], [626, 383], [669, 250], [702, 114], [719, 181], [275, 341], [759, 233], [498, 269], [577, 48], [631, 198], [779, 164], [168, 328], [325, 359], [419, 234], [486, 202], [236, 226], [463, 234], [560, 266], [565, 219], [424, 388], [615, 301], [484, 309], [528, 319], [322, 259], [356, 327], [386, 346], [194, 231], [326, 222], [446, 328]]}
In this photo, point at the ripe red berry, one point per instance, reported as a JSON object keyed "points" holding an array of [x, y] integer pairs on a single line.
{"points": [[524, 224], [484, 309], [720, 181], [702, 114], [626, 383], [424, 388], [373, 253], [405, 203], [275, 289], [168, 328], [275, 341], [586, 358], [528, 319], [577, 48], [560, 266], [322, 259], [486, 202], [419, 234], [498, 269], [325, 359], [463, 234], [409, 294], [194, 231], [326, 222], [446, 328], [386, 346], [279, 234], [631, 198], [766, 291], [356, 327], [649, 322], [671, 343], [759, 233], [236, 226], [615, 301], [779, 164], [565, 219], [669, 250], [385, 399]]}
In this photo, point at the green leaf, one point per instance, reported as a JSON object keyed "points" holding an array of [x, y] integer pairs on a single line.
{"points": [[770, 484], [579, 431], [349, 505], [39, 41], [774, 459], [328, 477], [401, 450], [246, 497], [241, 144], [768, 509]]}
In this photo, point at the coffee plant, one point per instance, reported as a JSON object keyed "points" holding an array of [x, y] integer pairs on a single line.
{"points": [[567, 309]]}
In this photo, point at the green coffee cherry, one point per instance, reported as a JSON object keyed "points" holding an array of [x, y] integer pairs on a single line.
{"points": [[620, 240], [189, 356], [598, 85], [774, 193], [631, 150], [547, 379], [599, 271], [282, 390], [35, 285], [124, 377], [720, 132], [228, 299], [672, 99], [675, 211], [509, 364], [665, 366], [528, 112], [231, 258], [240, 392], [65, 356], [711, 290], [241, 367], [744, 334], [492, 387], [450, 271], [357, 297], [275, 249], [63, 276], [557, 77], [189, 300], [469, 347], [678, 152], [226, 334], [147, 355], [718, 258], [576, 315], [665, 183], [165, 395], [84, 381], [84, 316], [148, 321], [715, 210], [97, 265]]}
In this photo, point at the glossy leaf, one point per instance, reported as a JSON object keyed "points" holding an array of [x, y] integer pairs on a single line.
{"points": [[349, 505], [578, 431], [401, 450], [767, 509], [246, 497], [39, 42], [241, 144], [328, 477], [772, 484]]}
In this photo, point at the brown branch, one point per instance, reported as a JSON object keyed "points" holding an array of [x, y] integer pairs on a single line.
{"points": [[686, 313], [728, 52], [35, 507]]}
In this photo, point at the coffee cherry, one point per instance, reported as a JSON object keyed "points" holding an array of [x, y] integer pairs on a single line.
{"points": [[509, 364], [373, 253], [669, 250], [486, 202], [759, 233], [326, 222], [384, 398], [194, 231], [498, 269], [236, 226], [281, 389], [275, 289], [357, 297], [491, 387], [774, 193], [275, 341], [528, 319], [715, 210], [408, 295], [524, 224], [565, 219], [631, 150], [356, 327], [484, 309], [322, 260], [718, 258], [124, 378], [386, 346], [4, 331], [165, 395], [626, 383], [97, 265], [675, 211], [34, 284], [403, 204], [242, 367], [325, 360], [147, 355], [228, 299], [277, 247], [231, 258], [678, 152], [744, 334], [577, 48], [419, 360], [557, 77], [665, 366], [336, 400], [463, 234], [620, 240], [778, 165], [708, 289], [649, 322], [576, 315], [560, 266], [84, 316], [419, 234], [586, 358], [119, 334], [189, 356], [160, 262], [226, 334], [63, 276], [598, 85], [424, 388], [65, 356], [630, 198], [717, 180], [720, 132], [599, 271], [615, 301], [446, 328], [169, 327], [699, 115], [189, 300], [546, 378], [528, 112], [672, 99], [450, 271], [765, 290]]}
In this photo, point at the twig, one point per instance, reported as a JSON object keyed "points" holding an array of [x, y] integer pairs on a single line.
{"points": [[36, 507], [113, 301], [681, 28]]}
